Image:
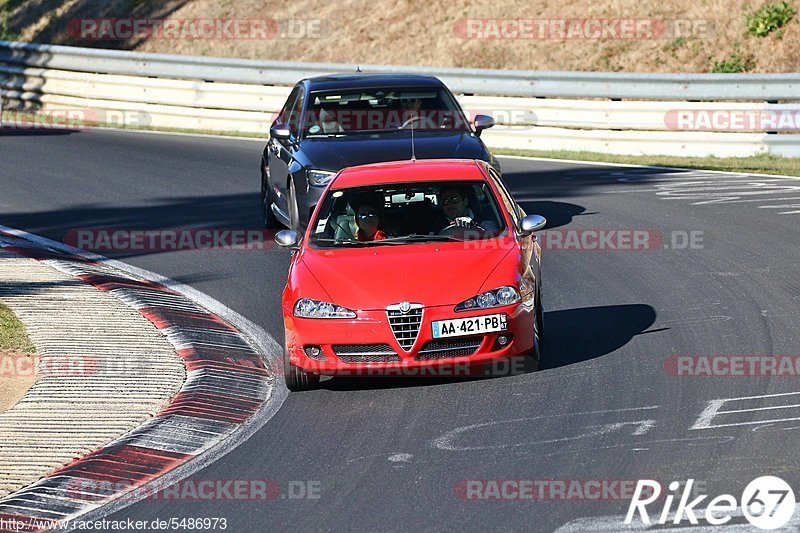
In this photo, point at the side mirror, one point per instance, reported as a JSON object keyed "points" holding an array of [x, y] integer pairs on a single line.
{"points": [[280, 131], [286, 238], [532, 223], [482, 122]]}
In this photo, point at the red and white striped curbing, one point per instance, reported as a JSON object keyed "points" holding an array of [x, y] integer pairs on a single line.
{"points": [[227, 384]]}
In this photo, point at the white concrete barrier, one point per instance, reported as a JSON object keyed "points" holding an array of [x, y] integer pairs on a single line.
{"points": [[626, 127]]}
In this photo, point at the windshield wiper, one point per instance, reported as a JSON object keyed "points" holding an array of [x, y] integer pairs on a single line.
{"points": [[347, 242], [338, 241], [418, 238]]}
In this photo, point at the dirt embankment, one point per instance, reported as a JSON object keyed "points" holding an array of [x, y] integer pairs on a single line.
{"points": [[590, 35]]}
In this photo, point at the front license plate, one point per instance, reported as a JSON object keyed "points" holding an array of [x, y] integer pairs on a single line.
{"points": [[469, 326]]}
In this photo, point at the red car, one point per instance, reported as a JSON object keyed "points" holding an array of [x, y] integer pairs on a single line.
{"points": [[408, 266]]}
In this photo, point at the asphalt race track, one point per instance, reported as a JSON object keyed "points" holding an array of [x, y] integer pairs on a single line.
{"points": [[396, 454]]}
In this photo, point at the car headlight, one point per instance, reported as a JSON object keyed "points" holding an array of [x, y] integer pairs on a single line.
{"points": [[319, 177], [308, 308], [498, 297]]}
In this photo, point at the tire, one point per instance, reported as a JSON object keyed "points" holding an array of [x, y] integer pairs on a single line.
{"points": [[268, 217], [534, 357], [539, 315], [298, 380]]}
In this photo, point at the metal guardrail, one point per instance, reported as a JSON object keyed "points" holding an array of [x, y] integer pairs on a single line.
{"points": [[620, 113], [702, 87]]}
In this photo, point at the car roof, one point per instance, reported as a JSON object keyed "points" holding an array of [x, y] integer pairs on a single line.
{"points": [[409, 171], [335, 82]]}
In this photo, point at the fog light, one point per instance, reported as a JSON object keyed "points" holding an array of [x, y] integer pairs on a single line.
{"points": [[314, 352], [502, 341]]}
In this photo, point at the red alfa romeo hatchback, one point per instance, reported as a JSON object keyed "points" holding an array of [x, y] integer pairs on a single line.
{"points": [[411, 266]]}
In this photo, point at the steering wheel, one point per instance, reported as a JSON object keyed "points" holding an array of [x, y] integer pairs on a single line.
{"points": [[409, 121], [454, 228]]}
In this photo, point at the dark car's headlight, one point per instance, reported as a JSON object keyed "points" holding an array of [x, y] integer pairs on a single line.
{"points": [[308, 308], [495, 298], [320, 178]]}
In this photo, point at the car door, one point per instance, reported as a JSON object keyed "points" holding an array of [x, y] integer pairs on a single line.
{"points": [[282, 151]]}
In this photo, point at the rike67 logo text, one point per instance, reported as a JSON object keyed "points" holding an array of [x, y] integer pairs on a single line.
{"points": [[767, 503]]}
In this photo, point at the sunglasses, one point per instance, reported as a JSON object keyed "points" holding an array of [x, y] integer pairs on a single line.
{"points": [[452, 200], [367, 216]]}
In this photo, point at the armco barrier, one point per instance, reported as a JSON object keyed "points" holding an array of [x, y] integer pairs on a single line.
{"points": [[619, 113]]}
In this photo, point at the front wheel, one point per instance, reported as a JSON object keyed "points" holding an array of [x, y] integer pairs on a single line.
{"points": [[268, 216], [534, 357], [539, 315], [298, 379]]}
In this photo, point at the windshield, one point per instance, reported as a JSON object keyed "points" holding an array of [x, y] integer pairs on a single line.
{"points": [[407, 213], [381, 110]]}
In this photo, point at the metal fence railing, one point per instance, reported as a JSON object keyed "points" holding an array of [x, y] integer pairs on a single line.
{"points": [[597, 111]]}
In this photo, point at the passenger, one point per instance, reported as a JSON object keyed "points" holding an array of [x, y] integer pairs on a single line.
{"points": [[328, 122], [368, 222]]}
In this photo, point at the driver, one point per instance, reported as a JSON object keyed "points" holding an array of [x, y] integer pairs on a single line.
{"points": [[454, 204], [409, 113]]}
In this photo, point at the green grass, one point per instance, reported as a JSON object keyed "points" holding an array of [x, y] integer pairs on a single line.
{"points": [[769, 18], [761, 164], [736, 63], [5, 33], [12, 333], [676, 43]]}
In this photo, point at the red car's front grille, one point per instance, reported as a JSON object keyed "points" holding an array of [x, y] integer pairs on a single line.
{"points": [[444, 349], [405, 324], [365, 353]]}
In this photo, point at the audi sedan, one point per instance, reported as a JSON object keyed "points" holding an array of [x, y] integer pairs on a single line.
{"points": [[408, 266], [343, 120]]}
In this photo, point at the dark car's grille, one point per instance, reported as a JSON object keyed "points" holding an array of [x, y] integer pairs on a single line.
{"points": [[444, 349], [365, 353], [405, 326]]}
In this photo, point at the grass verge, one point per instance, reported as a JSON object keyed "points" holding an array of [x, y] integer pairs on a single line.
{"points": [[12, 333], [760, 164]]}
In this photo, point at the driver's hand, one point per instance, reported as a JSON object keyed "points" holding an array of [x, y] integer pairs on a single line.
{"points": [[463, 222]]}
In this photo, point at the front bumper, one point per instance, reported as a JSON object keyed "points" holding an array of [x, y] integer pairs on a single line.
{"points": [[371, 330]]}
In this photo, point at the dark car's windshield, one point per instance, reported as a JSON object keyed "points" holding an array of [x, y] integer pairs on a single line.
{"points": [[380, 110], [407, 213]]}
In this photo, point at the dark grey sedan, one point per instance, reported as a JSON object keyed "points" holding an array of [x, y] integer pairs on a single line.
{"points": [[332, 122]]}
